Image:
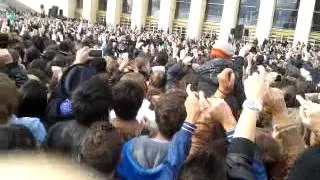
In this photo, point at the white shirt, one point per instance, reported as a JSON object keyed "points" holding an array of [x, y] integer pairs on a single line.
{"points": [[144, 112]]}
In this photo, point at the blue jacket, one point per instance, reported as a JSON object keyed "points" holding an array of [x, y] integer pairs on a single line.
{"points": [[33, 124], [178, 151]]}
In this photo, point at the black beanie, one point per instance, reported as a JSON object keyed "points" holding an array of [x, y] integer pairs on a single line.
{"points": [[307, 165]]}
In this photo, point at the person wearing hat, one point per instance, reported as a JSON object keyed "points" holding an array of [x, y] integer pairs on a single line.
{"points": [[220, 59], [9, 64]]}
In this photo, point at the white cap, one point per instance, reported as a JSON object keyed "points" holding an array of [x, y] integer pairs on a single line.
{"points": [[225, 47]]}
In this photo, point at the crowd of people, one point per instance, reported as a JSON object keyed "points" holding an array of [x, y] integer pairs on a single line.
{"points": [[135, 104]]}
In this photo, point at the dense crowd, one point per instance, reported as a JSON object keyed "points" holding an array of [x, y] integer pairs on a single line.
{"points": [[136, 104]]}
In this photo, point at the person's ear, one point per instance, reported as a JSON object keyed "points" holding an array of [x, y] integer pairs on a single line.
{"points": [[155, 100]]}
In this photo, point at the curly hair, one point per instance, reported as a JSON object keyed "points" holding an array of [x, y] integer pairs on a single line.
{"points": [[101, 148], [170, 112], [9, 98]]}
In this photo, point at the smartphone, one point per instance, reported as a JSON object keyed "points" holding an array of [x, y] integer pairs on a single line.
{"points": [[95, 53]]}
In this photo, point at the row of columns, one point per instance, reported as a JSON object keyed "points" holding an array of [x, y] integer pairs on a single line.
{"points": [[197, 13]]}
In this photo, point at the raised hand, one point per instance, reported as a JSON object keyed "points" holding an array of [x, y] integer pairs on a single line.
{"points": [[226, 81], [310, 113], [256, 86], [82, 55], [192, 105]]}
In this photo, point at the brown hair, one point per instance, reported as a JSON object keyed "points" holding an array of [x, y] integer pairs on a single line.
{"points": [[9, 98], [171, 112], [137, 78], [102, 146], [157, 80]]}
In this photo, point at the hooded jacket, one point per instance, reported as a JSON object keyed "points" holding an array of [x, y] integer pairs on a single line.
{"points": [[208, 80], [178, 151]]}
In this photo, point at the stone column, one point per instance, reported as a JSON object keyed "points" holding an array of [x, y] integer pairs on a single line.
{"points": [[90, 8], [196, 17], [70, 9], [229, 18], [166, 14], [265, 19], [304, 22], [114, 9], [139, 13]]}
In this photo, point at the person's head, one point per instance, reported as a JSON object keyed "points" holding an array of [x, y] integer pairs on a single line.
{"points": [[60, 60], [33, 99], [161, 59], [38, 64], [157, 79], [91, 101], [222, 50], [15, 56], [170, 112], [127, 98], [66, 46], [143, 65], [9, 98], [49, 54], [101, 148], [205, 166], [268, 147], [135, 77], [99, 64], [31, 54], [16, 137]]}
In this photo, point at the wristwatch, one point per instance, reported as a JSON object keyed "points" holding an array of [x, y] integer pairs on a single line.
{"points": [[252, 105]]}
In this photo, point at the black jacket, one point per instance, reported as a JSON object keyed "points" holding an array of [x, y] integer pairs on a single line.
{"points": [[66, 137], [208, 81], [239, 159]]}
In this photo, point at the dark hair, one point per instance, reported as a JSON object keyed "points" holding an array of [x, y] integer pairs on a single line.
{"points": [[135, 77], [91, 101], [157, 80], [61, 61], [127, 99], [33, 99], [8, 98], [170, 112], [205, 166], [38, 43], [15, 56], [101, 148], [49, 54], [66, 46], [161, 58], [42, 75], [16, 137], [38, 64], [31, 54], [99, 64]]}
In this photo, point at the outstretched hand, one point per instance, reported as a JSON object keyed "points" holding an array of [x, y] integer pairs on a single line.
{"points": [[256, 87], [226, 81], [82, 55], [310, 113], [192, 105]]}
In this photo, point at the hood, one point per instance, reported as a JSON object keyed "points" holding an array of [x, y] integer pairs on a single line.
{"points": [[74, 77], [210, 70]]}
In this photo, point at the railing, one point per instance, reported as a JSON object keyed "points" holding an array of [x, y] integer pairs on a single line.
{"points": [[125, 21], [279, 34], [314, 38], [210, 28], [101, 16], [179, 26], [151, 23]]}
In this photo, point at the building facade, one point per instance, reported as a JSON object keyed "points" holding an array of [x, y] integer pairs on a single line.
{"points": [[295, 20]]}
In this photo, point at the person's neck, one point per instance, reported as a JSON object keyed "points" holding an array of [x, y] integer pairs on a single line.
{"points": [[161, 137]]}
